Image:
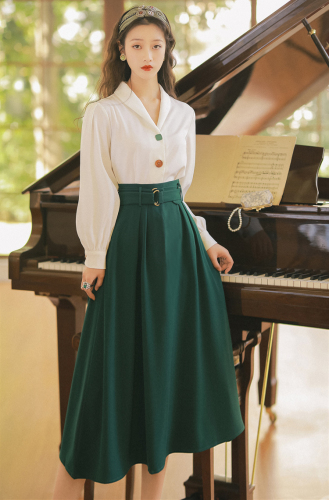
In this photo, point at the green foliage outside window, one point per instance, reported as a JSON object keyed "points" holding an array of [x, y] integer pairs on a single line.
{"points": [[50, 56]]}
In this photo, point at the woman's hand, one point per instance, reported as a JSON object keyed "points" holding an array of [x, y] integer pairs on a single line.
{"points": [[90, 275], [226, 262]]}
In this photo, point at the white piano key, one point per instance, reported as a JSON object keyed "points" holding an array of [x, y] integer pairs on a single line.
{"points": [[61, 266], [230, 278], [239, 278], [258, 279], [305, 283], [70, 266], [325, 284]]}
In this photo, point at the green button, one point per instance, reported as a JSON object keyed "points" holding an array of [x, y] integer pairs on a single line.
{"points": [[158, 137]]}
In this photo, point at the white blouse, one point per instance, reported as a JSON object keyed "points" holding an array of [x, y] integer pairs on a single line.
{"points": [[120, 143]]}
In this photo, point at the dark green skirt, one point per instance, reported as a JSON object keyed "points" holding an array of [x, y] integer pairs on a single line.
{"points": [[154, 372]]}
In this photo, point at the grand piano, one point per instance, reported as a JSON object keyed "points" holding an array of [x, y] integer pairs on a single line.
{"points": [[281, 272]]}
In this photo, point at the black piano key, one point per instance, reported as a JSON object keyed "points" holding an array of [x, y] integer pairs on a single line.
{"points": [[258, 273], [305, 275], [320, 276], [231, 272], [289, 275], [279, 272], [234, 269], [297, 274], [316, 276], [54, 259], [248, 272], [270, 273]]}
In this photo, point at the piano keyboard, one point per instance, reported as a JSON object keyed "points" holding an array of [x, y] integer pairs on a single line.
{"points": [[62, 265], [287, 277], [293, 278]]}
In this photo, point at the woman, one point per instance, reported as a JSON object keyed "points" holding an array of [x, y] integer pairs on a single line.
{"points": [[154, 372]]}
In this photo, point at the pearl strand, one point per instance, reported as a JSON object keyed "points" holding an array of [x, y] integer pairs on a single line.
{"points": [[240, 220]]}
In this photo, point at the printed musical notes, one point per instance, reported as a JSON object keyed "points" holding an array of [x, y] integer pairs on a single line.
{"points": [[226, 167], [264, 164]]}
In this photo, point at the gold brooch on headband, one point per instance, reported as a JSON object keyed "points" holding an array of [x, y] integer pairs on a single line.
{"points": [[142, 11]]}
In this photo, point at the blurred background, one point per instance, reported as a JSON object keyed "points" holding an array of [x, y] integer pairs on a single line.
{"points": [[51, 53]]}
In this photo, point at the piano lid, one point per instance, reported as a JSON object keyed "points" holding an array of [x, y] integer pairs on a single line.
{"points": [[275, 63], [60, 177], [262, 76]]}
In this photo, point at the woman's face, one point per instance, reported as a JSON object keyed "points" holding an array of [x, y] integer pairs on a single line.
{"points": [[145, 45]]}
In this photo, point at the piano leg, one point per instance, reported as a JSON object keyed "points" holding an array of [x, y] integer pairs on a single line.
{"points": [[238, 487], [70, 317], [270, 396]]}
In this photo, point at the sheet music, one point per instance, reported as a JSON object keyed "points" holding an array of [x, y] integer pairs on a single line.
{"points": [[229, 166], [261, 163]]}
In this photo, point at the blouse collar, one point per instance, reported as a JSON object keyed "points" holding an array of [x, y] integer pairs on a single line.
{"points": [[128, 96]]}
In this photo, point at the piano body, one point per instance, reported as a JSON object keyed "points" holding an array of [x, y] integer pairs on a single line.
{"points": [[281, 253]]}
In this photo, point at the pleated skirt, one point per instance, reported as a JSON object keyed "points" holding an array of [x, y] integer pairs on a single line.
{"points": [[154, 372]]}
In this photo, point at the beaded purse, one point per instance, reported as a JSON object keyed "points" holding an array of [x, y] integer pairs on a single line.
{"points": [[251, 201]]}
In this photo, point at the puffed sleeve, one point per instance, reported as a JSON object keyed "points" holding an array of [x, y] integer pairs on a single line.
{"points": [[186, 181], [99, 199]]}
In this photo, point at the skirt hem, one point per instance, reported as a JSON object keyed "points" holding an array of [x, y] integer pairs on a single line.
{"points": [[202, 448]]}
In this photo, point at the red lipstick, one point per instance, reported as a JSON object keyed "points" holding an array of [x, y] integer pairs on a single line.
{"points": [[147, 67]]}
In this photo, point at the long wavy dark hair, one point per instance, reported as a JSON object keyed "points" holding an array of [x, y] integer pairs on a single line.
{"points": [[114, 71]]}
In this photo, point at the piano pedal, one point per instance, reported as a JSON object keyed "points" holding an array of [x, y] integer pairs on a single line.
{"points": [[271, 414]]}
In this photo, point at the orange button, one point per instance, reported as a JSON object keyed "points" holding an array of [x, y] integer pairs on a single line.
{"points": [[158, 163]]}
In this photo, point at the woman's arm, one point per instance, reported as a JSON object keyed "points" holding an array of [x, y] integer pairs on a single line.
{"points": [[214, 250], [186, 181], [99, 201]]}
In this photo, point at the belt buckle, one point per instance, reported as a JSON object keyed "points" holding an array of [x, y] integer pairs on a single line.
{"points": [[155, 190]]}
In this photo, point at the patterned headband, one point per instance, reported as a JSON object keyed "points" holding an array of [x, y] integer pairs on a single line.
{"points": [[141, 11]]}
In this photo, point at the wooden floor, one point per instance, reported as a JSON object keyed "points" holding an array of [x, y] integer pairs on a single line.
{"points": [[293, 456]]}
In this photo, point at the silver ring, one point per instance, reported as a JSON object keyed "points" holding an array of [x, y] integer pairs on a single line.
{"points": [[86, 285]]}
